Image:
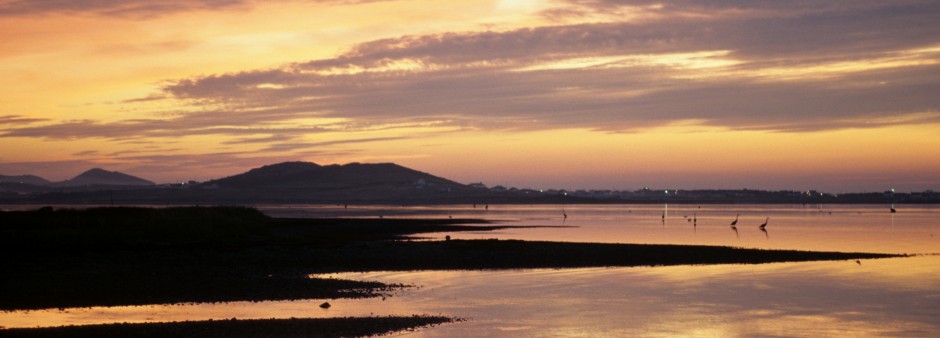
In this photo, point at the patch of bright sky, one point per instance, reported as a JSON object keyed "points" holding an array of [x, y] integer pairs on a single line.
{"points": [[693, 60], [120, 58]]}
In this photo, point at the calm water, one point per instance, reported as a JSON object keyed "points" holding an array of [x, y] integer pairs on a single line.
{"points": [[887, 297]]}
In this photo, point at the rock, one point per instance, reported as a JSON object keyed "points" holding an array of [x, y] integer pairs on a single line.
{"points": [[325, 305]]}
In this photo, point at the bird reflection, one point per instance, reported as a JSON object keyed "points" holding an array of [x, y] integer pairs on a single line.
{"points": [[766, 235], [734, 226]]}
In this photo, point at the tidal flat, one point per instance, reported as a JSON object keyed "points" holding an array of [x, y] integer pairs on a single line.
{"points": [[282, 328], [136, 256]]}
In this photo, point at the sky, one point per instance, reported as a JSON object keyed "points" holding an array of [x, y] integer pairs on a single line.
{"points": [[836, 96]]}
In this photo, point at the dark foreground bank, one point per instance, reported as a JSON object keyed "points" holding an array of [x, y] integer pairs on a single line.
{"points": [[132, 256], [273, 328]]}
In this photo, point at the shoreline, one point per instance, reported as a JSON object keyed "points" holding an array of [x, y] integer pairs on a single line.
{"points": [[291, 327], [138, 256]]}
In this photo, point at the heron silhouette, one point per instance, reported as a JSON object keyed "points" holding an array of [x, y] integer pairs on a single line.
{"points": [[734, 226], [563, 213], [762, 226]]}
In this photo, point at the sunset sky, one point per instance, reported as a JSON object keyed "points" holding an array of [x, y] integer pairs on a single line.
{"points": [[829, 95]]}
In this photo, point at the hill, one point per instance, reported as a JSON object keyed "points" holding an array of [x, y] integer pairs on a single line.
{"points": [[24, 179], [101, 177], [288, 182], [354, 182]]}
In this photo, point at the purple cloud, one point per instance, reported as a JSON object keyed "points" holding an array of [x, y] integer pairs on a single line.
{"points": [[500, 81]]}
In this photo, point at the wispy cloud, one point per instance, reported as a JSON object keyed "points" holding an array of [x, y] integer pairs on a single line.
{"points": [[109, 7], [745, 65], [19, 120], [130, 8], [751, 70]]}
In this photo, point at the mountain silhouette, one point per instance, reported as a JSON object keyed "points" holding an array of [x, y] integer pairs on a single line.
{"points": [[24, 179], [291, 181], [288, 182], [101, 177]]}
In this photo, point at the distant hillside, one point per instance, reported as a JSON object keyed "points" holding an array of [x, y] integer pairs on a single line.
{"points": [[24, 179], [269, 174], [103, 177], [288, 182], [354, 182]]}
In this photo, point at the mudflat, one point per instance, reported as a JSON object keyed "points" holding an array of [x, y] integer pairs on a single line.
{"points": [[133, 256]]}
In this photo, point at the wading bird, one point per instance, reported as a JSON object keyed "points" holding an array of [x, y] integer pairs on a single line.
{"points": [[762, 226], [735, 222]]}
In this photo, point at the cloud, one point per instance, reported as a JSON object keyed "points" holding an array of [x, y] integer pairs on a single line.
{"points": [[208, 123], [19, 120], [86, 153], [293, 146], [109, 7], [130, 8], [765, 65], [751, 70]]}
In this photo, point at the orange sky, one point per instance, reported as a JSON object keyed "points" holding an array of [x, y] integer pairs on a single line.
{"points": [[540, 94]]}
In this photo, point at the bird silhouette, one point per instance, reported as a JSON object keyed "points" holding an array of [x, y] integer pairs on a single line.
{"points": [[563, 213], [735, 222], [762, 226]]}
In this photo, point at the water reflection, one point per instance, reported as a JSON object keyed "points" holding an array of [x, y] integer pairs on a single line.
{"points": [[789, 299], [833, 227], [892, 297]]}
